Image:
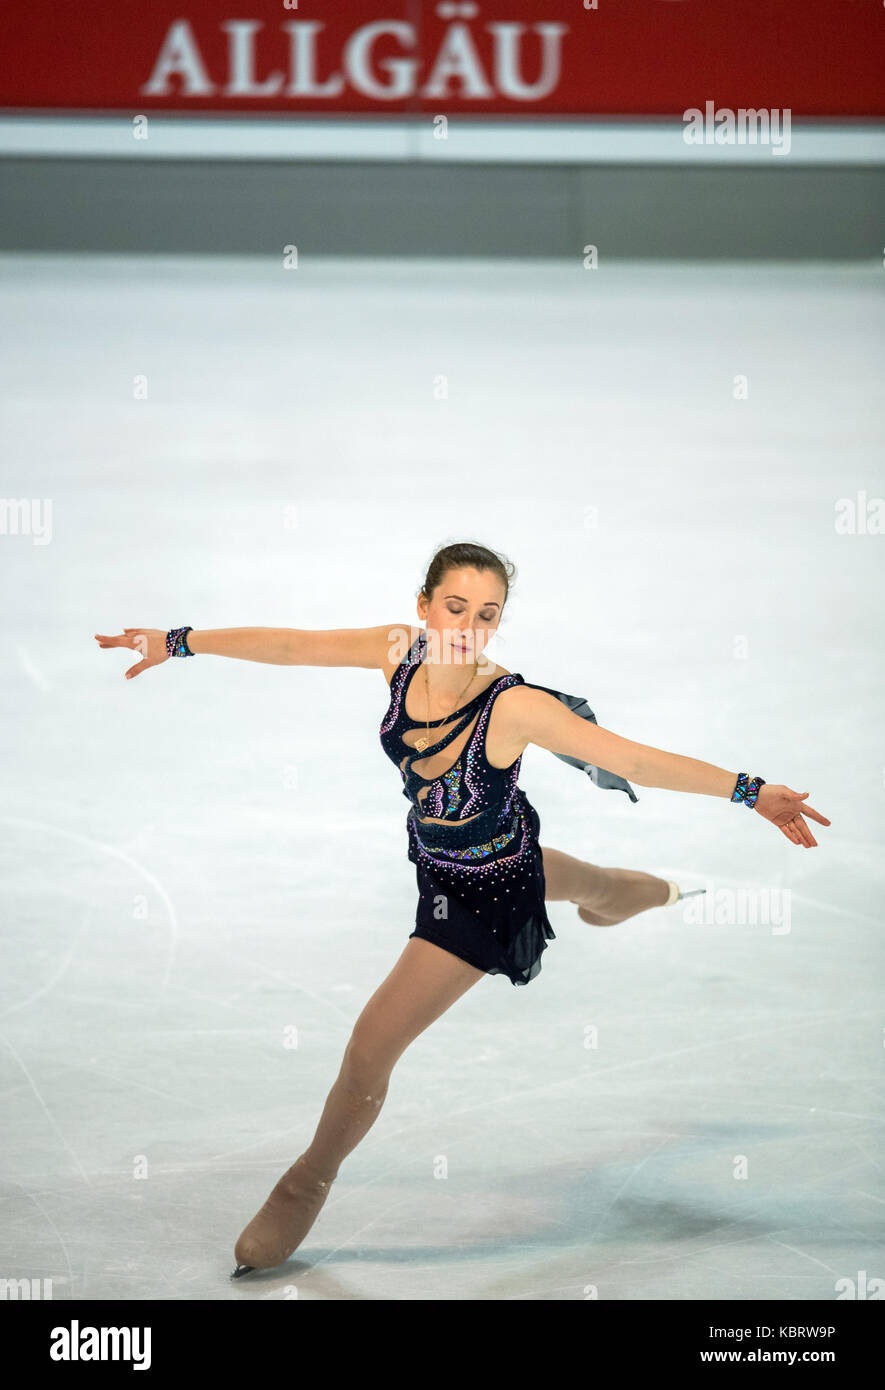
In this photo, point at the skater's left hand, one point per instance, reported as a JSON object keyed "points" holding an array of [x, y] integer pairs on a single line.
{"points": [[781, 805]]}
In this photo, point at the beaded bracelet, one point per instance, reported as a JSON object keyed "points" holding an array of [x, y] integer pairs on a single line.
{"points": [[176, 642], [746, 790]]}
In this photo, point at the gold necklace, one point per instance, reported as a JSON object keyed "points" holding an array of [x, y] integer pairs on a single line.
{"points": [[422, 743]]}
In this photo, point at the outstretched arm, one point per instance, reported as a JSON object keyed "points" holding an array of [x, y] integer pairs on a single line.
{"points": [[277, 646], [542, 719]]}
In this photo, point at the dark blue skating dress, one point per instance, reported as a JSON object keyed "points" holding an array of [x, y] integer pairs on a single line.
{"points": [[473, 833]]}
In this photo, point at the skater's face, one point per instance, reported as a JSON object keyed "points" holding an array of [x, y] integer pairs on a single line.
{"points": [[462, 614]]}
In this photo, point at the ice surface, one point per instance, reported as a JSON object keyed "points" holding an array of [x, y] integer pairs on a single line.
{"points": [[204, 869]]}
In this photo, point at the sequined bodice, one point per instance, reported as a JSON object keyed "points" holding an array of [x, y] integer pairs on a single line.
{"points": [[469, 785]]}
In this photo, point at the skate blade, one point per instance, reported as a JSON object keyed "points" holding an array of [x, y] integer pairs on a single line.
{"points": [[241, 1270], [691, 892]]}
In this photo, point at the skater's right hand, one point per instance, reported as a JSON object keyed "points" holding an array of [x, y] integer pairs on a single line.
{"points": [[149, 641]]}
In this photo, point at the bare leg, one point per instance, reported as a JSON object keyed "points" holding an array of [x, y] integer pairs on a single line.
{"points": [[603, 896], [425, 981]]}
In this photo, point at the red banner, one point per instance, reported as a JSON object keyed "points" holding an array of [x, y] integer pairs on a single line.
{"points": [[474, 57]]}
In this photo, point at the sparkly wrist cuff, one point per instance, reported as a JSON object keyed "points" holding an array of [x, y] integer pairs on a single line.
{"points": [[747, 789], [176, 642]]}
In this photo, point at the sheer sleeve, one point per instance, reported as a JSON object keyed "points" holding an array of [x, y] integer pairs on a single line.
{"points": [[609, 781]]}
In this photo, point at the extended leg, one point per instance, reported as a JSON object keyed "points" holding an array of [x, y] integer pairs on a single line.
{"points": [[603, 896], [425, 981]]}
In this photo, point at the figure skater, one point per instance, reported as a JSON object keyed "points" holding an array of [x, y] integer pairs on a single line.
{"points": [[456, 727]]}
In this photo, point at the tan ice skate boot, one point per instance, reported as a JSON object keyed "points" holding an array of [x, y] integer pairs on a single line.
{"points": [[284, 1220]]}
